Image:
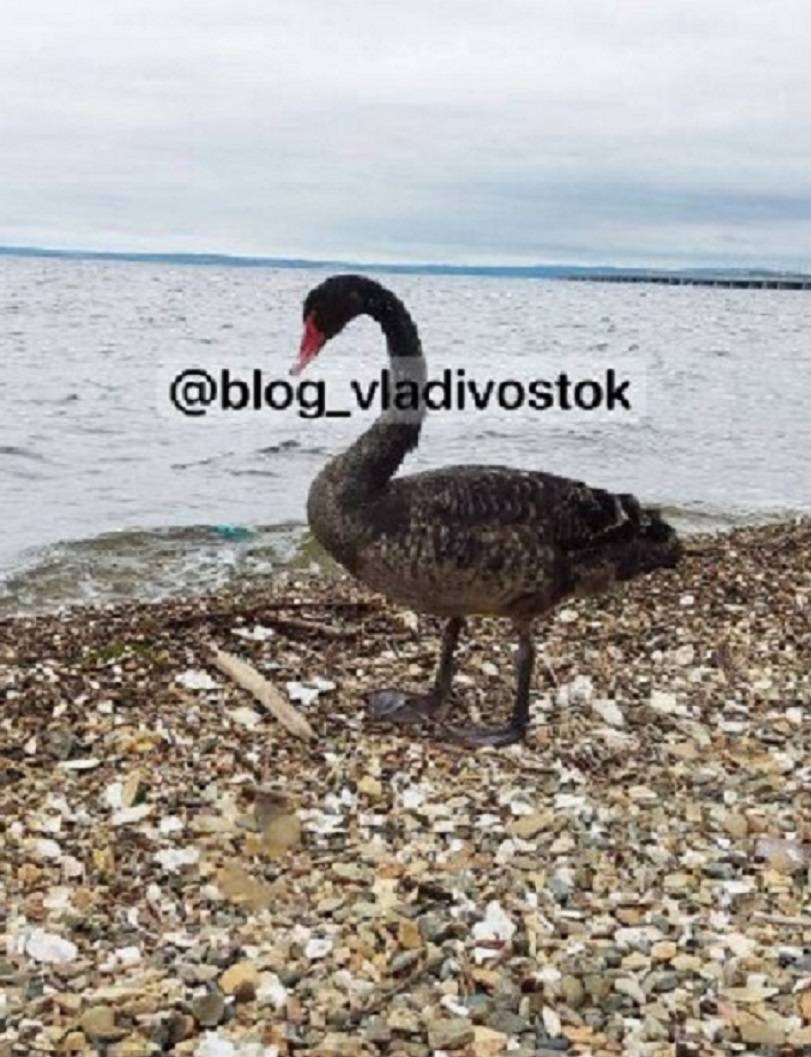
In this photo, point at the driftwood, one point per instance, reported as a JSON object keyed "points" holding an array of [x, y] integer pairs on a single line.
{"points": [[313, 626], [782, 919], [247, 677], [261, 611]]}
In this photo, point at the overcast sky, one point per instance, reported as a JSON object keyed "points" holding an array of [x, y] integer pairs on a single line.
{"points": [[632, 131]]}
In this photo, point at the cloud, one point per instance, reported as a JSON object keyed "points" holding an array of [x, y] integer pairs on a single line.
{"points": [[457, 130]]}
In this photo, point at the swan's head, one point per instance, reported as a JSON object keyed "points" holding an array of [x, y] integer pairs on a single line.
{"points": [[327, 309]]}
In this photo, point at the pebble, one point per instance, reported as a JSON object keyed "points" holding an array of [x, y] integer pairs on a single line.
{"points": [[208, 1009], [640, 863], [240, 980], [450, 1034], [99, 1024]]}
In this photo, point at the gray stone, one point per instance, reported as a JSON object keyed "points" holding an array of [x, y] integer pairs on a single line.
{"points": [[377, 1030], [403, 960], [480, 1006], [450, 1034], [666, 981], [573, 991], [508, 1022], [560, 888], [720, 871], [209, 1009], [598, 987]]}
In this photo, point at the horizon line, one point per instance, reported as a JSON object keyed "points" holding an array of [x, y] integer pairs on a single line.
{"points": [[537, 270]]}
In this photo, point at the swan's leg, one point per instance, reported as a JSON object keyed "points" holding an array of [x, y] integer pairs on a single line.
{"points": [[517, 727], [399, 706]]}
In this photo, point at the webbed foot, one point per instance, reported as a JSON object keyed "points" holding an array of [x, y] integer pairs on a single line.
{"points": [[479, 737], [399, 706]]}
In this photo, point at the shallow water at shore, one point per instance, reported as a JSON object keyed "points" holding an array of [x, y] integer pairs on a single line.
{"points": [[108, 494]]}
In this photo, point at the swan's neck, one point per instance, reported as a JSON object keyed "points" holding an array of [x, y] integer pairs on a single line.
{"points": [[368, 464]]}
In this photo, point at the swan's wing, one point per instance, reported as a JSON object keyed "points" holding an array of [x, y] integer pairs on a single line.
{"points": [[564, 513]]}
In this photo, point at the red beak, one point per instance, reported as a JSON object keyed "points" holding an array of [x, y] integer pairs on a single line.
{"points": [[312, 341]]}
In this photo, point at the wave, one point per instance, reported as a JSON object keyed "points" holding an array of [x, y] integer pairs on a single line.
{"points": [[151, 564]]}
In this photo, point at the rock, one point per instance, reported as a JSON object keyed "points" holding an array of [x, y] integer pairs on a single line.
{"points": [[579, 691], [402, 961], [664, 951], [719, 871], [597, 986], [551, 1022], [98, 1024], [508, 1022], [337, 1044], [663, 702], [209, 1009], [408, 934], [573, 991], [174, 859], [684, 655], [665, 981], [402, 1019], [677, 882], [377, 1030], [450, 1034], [271, 991], [800, 1040], [527, 826], [280, 834], [49, 948], [317, 947], [560, 888], [761, 1031], [241, 981], [181, 1026], [487, 1042], [479, 1007], [75, 1042], [371, 787], [608, 711], [630, 987], [132, 1046], [736, 825]]}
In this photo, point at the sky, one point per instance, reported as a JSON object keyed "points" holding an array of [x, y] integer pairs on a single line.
{"points": [[663, 132]]}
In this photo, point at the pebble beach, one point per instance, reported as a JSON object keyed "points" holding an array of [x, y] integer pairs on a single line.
{"points": [[181, 875]]}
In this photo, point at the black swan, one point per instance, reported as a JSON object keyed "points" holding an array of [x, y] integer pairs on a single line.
{"points": [[462, 540]]}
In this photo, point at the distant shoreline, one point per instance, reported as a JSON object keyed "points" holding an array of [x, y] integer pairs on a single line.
{"points": [[740, 277]]}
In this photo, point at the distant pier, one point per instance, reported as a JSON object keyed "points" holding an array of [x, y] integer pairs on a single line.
{"points": [[765, 282]]}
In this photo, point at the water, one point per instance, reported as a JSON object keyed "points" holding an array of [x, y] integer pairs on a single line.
{"points": [[107, 492]]}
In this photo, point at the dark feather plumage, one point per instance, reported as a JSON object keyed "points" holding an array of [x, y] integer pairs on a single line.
{"points": [[489, 539]]}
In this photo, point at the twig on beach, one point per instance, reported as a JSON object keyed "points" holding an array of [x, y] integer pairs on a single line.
{"points": [[247, 677], [782, 919], [385, 995], [261, 610], [314, 626]]}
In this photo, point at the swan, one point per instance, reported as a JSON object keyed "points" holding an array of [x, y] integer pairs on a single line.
{"points": [[461, 540]]}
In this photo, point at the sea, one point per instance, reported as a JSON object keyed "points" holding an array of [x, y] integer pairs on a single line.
{"points": [[109, 492]]}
